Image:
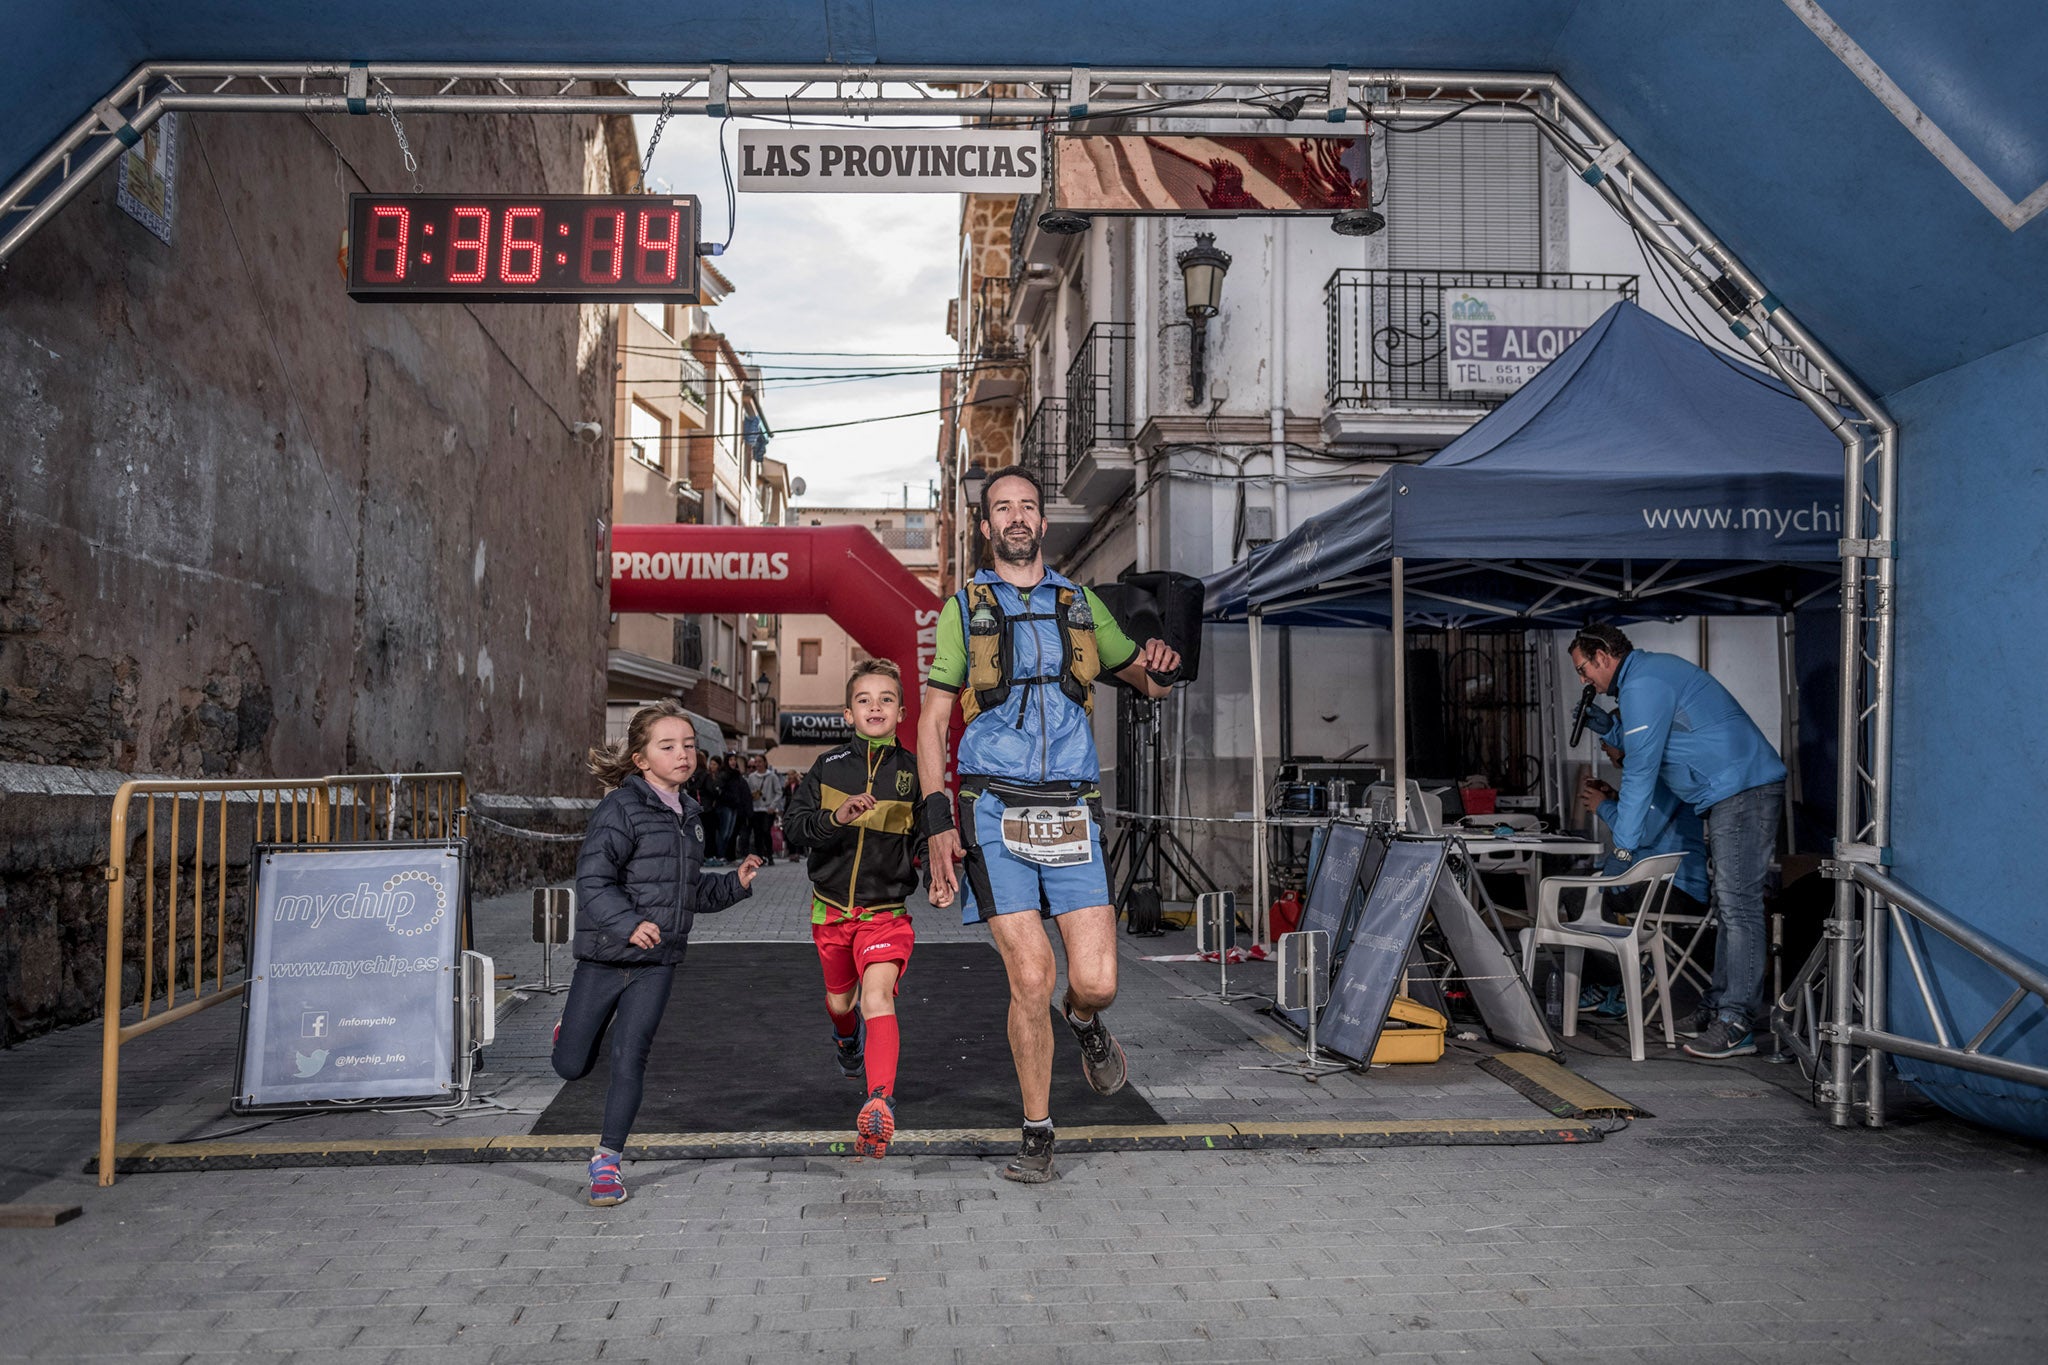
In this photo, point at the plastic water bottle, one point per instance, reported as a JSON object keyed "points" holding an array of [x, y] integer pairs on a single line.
{"points": [[1553, 998]]}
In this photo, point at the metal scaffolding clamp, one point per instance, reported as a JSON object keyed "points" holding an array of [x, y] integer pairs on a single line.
{"points": [[1871, 855], [1864, 549], [1077, 93], [1612, 155], [358, 87], [123, 131], [1340, 94], [717, 103]]}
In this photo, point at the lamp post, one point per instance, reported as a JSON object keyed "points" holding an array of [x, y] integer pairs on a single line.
{"points": [[763, 685], [1202, 267]]}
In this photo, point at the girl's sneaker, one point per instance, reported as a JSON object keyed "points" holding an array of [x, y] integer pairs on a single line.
{"points": [[876, 1125], [606, 1186]]}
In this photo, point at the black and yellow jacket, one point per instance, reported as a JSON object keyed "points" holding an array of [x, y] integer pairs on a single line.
{"points": [[865, 867]]}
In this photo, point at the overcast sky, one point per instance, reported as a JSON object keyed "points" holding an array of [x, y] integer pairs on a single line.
{"points": [[830, 272]]}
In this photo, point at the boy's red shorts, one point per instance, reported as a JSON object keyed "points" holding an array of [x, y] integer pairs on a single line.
{"points": [[848, 948]]}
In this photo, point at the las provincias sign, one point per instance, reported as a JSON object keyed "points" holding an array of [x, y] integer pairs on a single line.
{"points": [[890, 161]]}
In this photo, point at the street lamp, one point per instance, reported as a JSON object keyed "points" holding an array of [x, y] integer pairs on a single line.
{"points": [[1202, 268]]}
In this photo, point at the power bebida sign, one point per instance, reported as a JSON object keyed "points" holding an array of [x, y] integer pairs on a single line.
{"points": [[891, 161], [353, 967]]}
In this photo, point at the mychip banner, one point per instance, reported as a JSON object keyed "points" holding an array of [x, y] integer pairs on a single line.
{"points": [[1497, 339], [353, 965]]}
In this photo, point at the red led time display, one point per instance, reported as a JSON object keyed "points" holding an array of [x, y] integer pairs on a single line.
{"points": [[497, 248]]}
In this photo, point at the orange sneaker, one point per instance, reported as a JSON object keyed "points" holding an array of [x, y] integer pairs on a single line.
{"points": [[876, 1125]]}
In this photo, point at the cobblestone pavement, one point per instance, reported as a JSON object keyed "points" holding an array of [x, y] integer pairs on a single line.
{"points": [[1734, 1226]]}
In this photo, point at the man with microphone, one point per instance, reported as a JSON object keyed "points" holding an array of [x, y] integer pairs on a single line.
{"points": [[1684, 729]]}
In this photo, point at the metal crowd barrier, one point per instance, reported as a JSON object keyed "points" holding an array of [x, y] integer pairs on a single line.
{"points": [[344, 808]]}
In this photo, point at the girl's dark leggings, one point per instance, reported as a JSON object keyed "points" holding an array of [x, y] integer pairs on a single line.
{"points": [[629, 1000]]}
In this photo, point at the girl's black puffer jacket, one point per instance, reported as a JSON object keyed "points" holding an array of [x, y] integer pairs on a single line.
{"points": [[642, 861]]}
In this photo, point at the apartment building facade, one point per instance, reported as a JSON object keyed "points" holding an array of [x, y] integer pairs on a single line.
{"points": [[1323, 368], [690, 446]]}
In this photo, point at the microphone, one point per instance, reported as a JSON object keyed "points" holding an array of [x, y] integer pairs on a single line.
{"points": [[1579, 715]]}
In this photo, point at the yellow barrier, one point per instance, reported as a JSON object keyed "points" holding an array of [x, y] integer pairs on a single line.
{"points": [[346, 808]]}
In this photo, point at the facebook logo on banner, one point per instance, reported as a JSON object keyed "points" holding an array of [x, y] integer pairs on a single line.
{"points": [[313, 1024]]}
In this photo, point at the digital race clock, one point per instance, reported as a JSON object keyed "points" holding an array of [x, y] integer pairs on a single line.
{"points": [[497, 248]]}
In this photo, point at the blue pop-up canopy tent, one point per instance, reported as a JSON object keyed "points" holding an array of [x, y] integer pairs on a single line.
{"points": [[1640, 474]]}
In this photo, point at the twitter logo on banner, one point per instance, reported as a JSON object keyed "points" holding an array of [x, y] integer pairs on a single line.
{"points": [[310, 1064]]}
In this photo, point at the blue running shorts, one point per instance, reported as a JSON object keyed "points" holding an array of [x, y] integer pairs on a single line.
{"points": [[996, 881]]}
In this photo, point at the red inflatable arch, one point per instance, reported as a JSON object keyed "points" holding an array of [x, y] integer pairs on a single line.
{"points": [[837, 571]]}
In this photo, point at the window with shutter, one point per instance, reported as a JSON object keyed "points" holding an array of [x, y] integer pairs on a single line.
{"points": [[1465, 196]]}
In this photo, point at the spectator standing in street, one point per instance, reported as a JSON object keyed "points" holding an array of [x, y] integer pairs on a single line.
{"points": [[766, 785], [735, 809]]}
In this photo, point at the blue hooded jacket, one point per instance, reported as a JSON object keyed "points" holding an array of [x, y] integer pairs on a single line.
{"points": [[1683, 729]]}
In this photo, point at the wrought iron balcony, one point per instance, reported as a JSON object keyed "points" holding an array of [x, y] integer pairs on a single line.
{"points": [[1386, 333], [1099, 390], [1044, 448], [989, 335]]}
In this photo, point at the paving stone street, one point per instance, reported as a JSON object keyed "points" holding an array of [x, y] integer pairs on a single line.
{"points": [[1735, 1225]]}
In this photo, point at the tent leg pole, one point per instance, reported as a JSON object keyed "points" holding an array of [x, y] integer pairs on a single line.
{"points": [[1260, 899], [1400, 701]]}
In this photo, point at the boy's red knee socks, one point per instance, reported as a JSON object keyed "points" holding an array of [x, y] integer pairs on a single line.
{"points": [[881, 1054]]}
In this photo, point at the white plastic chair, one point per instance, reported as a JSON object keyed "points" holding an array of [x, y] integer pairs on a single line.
{"points": [[1626, 943]]}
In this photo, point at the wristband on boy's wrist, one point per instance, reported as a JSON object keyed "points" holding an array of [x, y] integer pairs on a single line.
{"points": [[935, 816]]}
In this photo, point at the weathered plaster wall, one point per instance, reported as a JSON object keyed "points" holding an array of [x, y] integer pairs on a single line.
{"points": [[249, 527]]}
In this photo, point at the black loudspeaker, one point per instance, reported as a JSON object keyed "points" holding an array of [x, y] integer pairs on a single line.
{"points": [[1165, 606]]}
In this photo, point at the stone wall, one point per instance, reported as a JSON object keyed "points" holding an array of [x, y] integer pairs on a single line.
{"points": [[251, 528]]}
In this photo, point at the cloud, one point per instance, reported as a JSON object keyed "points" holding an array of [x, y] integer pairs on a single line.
{"points": [[842, 272]]}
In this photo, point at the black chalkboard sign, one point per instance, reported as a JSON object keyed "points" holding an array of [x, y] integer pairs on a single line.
{"points": [[1344, 866], [1381, 941], [354, 954]]}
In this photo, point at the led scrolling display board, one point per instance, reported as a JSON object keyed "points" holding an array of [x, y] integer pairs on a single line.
{"points": [[509, 248]]}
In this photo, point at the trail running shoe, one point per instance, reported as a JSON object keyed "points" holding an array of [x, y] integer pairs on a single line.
{"points": [[851, 1058], [1723, 1039], [876, 1125], [1033, 1163], [1102, 1057], [606, 1186]]}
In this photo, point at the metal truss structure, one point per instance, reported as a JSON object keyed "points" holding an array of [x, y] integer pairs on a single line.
{"points": [[1836, 1011]]}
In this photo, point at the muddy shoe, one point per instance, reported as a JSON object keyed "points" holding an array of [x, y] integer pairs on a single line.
{"points": [[1102, 1056], [1033, 1163]]}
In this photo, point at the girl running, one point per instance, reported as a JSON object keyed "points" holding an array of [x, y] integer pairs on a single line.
{"points": [[639, 880]]}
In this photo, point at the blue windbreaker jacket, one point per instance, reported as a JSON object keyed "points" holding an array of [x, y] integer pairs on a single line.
{"points": [[1682, 728]]}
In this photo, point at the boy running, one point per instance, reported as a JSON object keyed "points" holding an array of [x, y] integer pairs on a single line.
{"points": [[856, 811]]}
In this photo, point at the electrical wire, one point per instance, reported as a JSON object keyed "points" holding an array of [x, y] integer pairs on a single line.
{"points": [[818, 426]]}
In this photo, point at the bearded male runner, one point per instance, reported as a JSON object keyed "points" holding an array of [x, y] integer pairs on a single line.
{"points": [[1019, 650]]}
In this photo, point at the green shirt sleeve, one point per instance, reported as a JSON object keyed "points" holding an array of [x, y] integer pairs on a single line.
{"points": [[949, 657], [1115, 648]]}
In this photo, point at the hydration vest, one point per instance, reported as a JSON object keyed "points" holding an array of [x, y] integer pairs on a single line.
{"points": [[991, 650]]}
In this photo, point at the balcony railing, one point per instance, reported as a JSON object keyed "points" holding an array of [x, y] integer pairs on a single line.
{"points": [[689, 644], [1044, 448], [1099, 390], [1020, 223], [990, 337], [1386, 333], [696, 381]]}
